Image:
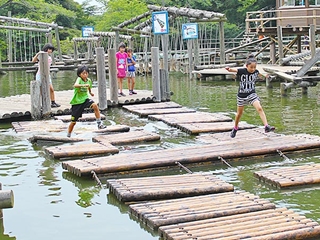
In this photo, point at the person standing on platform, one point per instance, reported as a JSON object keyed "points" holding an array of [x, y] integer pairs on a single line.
{"points": [[121, 57], [247, 77], [81, 100], [49, 49], [131, 62]]}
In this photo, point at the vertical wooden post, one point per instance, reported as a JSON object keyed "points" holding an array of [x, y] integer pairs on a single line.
{"points": [[1, 213], [10, 56], [146, 58], [155, 74], [49, 37], [116, 40], [190, 57], [299, 44], [196, 52], [273, 52], [58, 43], [113, 81], [222, 47], [280, 46], [75, 48], [165, 76], [45, 78], [283, 89], [35, 94], [312, 40], [101, 77], [89, 47]]}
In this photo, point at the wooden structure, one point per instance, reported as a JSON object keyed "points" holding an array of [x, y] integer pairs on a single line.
{"points": [[291, 176], [166, 187]]}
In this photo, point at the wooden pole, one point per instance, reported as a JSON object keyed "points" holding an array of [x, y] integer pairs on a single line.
{"points": [[280, 46], [312, 39], [273, 52], [6, 199], [58, 42], [75, 47], [155, 74], [101, 77], [10, 41], [113, 82], [116, 40], [222, 47], [165, 76], [45, 78], [35, 94], [190, 57], [1, 213]]}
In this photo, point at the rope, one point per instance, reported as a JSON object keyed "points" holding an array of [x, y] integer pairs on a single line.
{"points": [[281, 154], [184, 167], [95, 177]]}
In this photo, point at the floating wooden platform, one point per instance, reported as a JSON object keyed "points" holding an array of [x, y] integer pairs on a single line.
{"points": [[49, 138], [126, 138], [86, 117], [39, 126], [197, 117], [154, 111], [265, 224], [291, 176], [234, 148], [166, 187], [167, 212], [76, 150], [151, 106]]}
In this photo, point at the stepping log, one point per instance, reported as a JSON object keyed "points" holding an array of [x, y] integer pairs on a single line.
{"points": [[152, 106], [196, 128], [278, 223], [165, 187], [49, 138], [147, 112], [126, 138], [166, 212], [86, 117], [235, 148], [197, 117], [291, 176], [113, 129], [77, 150], [39, 126]]}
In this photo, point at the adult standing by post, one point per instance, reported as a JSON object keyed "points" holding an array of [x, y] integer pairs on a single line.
{"points": [[49, 49]]}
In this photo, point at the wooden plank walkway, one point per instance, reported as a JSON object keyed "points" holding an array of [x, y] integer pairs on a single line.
{"points": [[166, 212], [279, 223], [147, 112], [197, 117], [145, 106], [76, 150], [166, 187], [233, 148], [291, 176], [126, 138]]}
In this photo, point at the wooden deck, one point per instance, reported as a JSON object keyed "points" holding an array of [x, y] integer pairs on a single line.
{"points": [[291, 176], [229, 149], [166, 187]]}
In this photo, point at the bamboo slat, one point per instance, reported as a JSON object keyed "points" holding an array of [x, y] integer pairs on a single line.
{"points": [[160, 213], [193, 154], [126, 138], [152, 106], [86, 117], [154, 111], [265, 224], [77, 150], [165, 187], [36, 138], [196, 128], [197, 117], [39, 126], [291, 176]]}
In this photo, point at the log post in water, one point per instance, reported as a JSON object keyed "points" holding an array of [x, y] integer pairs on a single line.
{"points": [[101, 77], [35, 94], [45, 82], [113, 75], [155, 74], [6, 199]]}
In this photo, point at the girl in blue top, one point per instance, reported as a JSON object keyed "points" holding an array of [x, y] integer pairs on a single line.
{"points": [[131, 62], [247, 93]]}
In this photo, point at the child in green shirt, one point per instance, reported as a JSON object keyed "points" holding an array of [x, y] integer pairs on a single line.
{"points": [[81, 100]]}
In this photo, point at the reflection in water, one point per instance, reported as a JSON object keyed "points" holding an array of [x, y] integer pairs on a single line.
{"points": [[4, 236]]}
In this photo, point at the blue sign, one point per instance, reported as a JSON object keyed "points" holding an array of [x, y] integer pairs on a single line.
{"points": [[190, 31], [87, 30], [160, 24]]}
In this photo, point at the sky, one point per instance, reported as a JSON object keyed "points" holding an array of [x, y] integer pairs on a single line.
{"points": [[92, 2]]}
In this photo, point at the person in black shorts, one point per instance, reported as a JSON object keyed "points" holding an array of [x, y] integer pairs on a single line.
{"points": [[247, 77]]}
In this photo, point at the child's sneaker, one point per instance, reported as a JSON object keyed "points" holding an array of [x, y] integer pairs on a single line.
{"points": [[69, 135], [122, 94], [233, 133], [133, 92], [269, 128], [130, 92], [101, 126]]}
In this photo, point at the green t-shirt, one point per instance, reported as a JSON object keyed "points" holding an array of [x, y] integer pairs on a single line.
{"points": [[81, 94]]}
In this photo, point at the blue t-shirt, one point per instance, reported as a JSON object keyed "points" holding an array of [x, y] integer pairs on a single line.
{"points": [[131, 68]]}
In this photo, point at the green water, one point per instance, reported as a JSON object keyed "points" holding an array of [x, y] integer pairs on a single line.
{"points": [[52, 204]]}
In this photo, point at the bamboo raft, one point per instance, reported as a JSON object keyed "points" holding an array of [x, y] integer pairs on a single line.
{"points": [[49, 138], [39, 126], [76, 150], [165, 187], [291, 176], [145, 106], [86, 117], [234, 148], [166, 212], [197, 117], [126, 138], [278, 224], [171, 110]]}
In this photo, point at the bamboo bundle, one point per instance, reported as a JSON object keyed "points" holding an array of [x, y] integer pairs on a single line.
{"points": [[152, 106], [196, 128], [291, 176], [85, 149], [150, 188], [197, 117], [86, 117], [159, 213], [193, 154], [126, 138]]}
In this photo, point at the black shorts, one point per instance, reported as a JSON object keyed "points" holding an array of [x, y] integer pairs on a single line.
{"points": [[77, 110]]}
